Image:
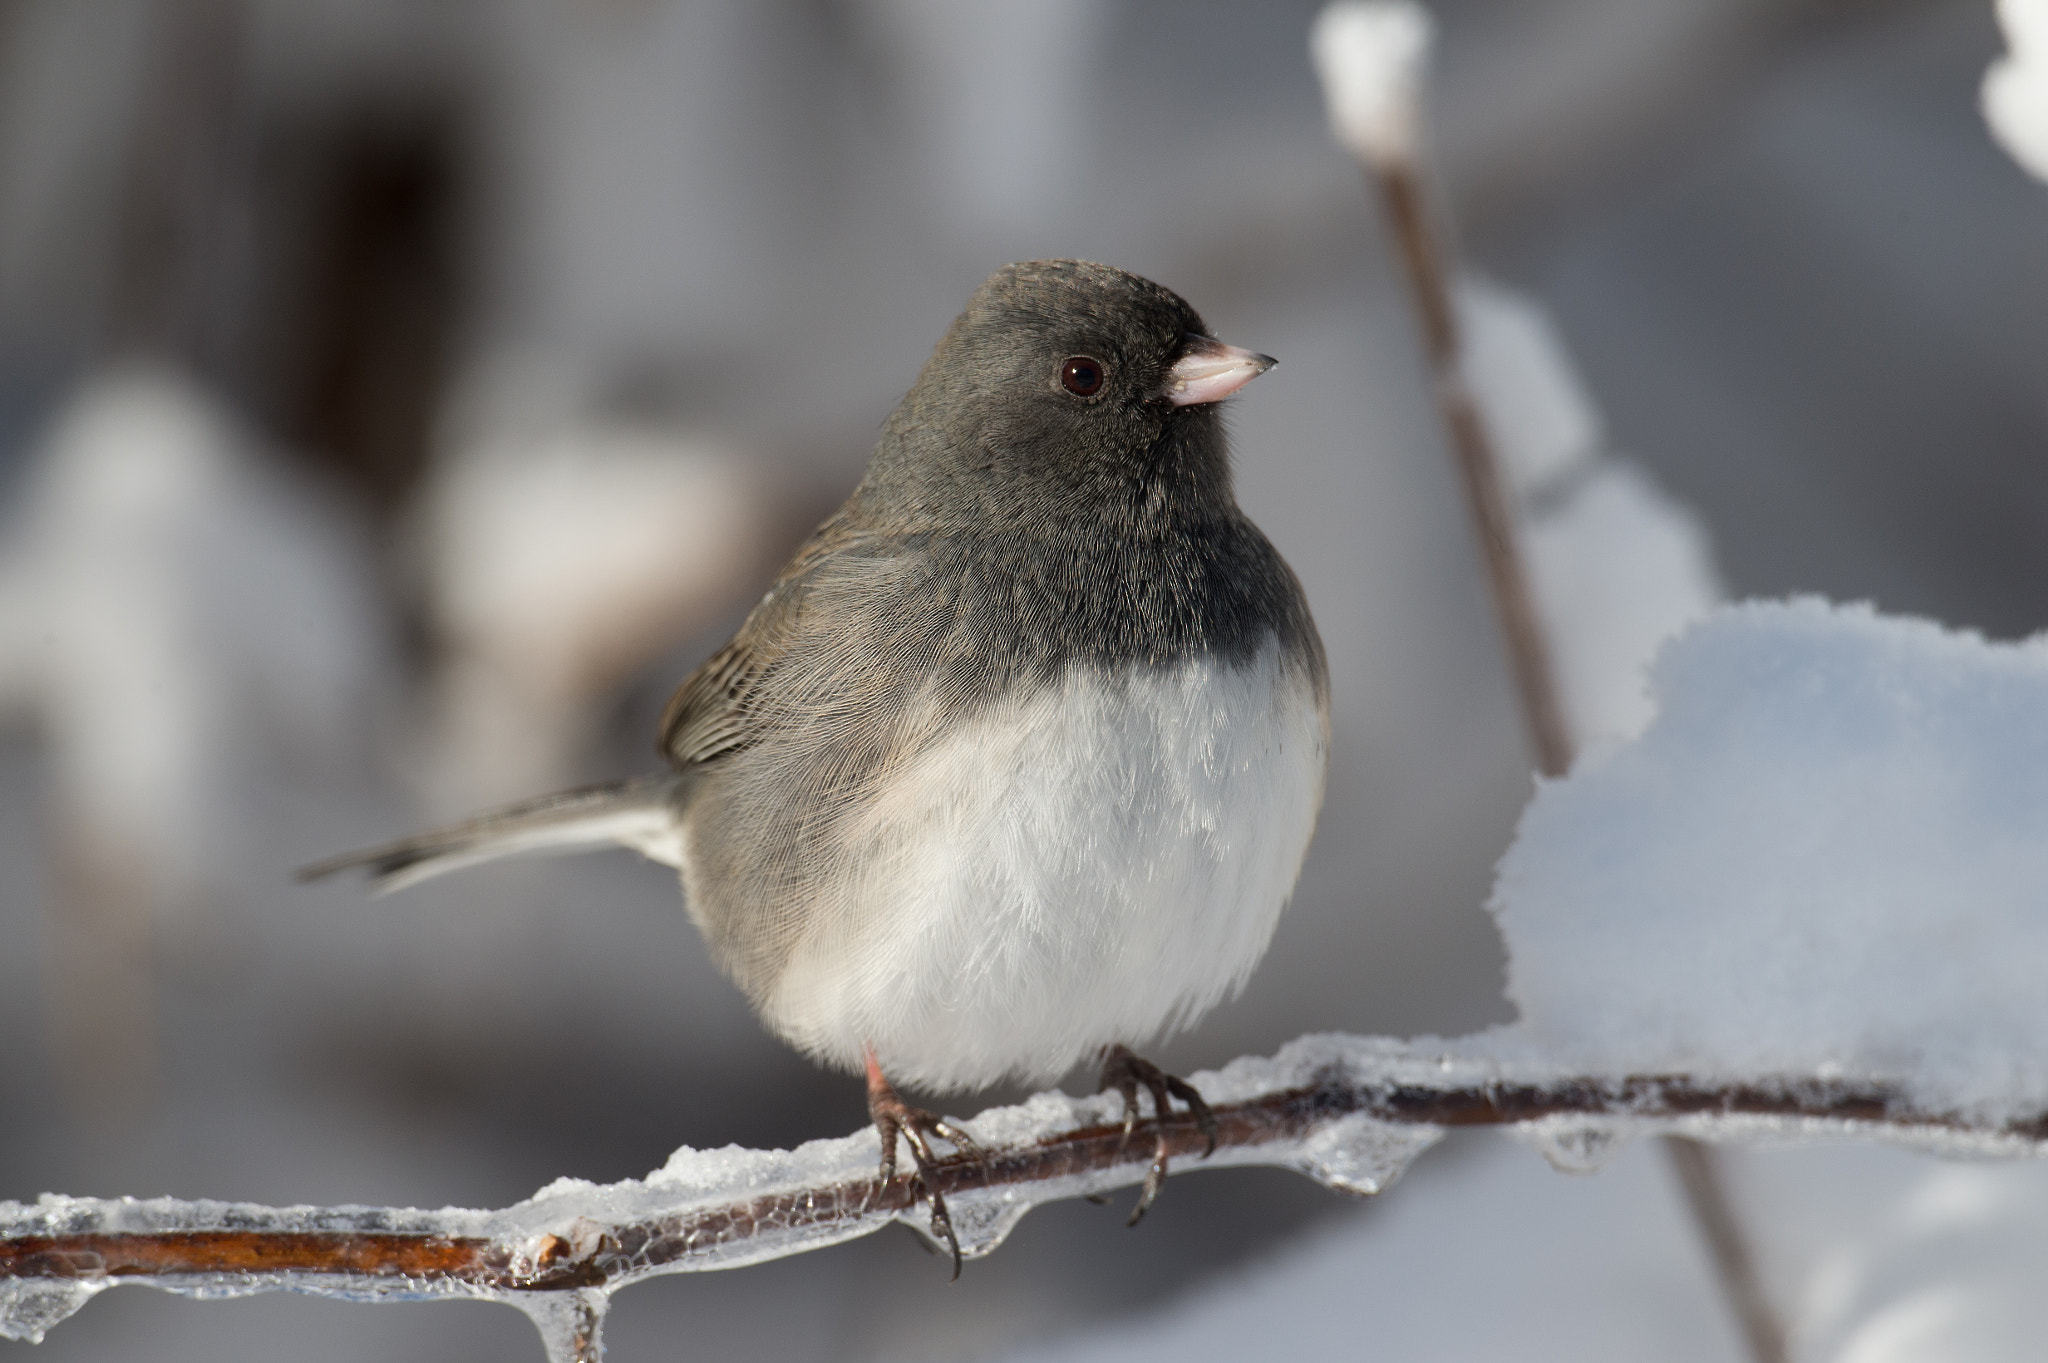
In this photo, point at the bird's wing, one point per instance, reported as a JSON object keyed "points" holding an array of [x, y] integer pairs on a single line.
{"points": [[706, 718], [792, 648]]}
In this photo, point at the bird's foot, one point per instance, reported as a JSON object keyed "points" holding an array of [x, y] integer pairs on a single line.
{"points": [[892, 1118], [1127, 1074]]}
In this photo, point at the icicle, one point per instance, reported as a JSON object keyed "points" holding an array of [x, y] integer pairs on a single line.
{"points": [[1362, 1155], [29, 1307], [1576, 1145], [571, 1324]]}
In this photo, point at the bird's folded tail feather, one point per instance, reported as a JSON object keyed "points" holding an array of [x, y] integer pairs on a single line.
{"points": [[641, 813]]}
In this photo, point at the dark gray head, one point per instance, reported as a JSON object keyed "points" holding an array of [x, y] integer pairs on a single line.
{"points": [[1065, 380], [1059, 480]]}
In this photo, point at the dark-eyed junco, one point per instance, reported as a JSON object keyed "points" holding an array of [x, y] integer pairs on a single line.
{"points": [[1016, 763]]}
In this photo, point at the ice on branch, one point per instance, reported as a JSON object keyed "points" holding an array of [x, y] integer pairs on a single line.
{"points": [[1828, 854], [1349, 1112], [2015, 93], [1371, 58], [558, 1254]]}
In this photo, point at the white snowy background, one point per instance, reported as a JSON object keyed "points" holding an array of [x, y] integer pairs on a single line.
{"points": [[1789, 295]]}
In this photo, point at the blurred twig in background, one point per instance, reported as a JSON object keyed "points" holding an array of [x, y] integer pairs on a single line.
{"points": [[1373, 57]]}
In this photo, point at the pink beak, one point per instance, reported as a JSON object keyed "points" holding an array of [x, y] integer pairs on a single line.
{"points": [[1209, 371]]}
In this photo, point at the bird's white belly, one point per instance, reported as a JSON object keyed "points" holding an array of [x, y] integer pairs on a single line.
{"points": [[1101, 863]]}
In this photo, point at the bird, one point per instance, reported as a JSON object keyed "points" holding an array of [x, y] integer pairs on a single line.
{"points": [[1016, 763]]}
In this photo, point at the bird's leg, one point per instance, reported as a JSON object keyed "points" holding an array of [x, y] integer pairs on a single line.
{"points": [[892, 1118], [1127, 1073]]}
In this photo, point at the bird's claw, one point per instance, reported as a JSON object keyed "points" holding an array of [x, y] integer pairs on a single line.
{"points": [[1128, 1073], [893, 1118]]}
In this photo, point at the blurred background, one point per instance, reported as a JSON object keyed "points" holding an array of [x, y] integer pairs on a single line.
{"points": [[397, 398]]}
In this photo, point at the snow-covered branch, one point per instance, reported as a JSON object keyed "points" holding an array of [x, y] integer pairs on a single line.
{"points": [[1349, 1112]]}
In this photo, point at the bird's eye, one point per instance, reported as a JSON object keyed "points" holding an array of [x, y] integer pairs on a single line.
{"points": [[1081, 376]]}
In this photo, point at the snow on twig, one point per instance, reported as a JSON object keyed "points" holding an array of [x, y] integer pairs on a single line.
{"points": [[2014, 96], [1349, 1112], [1372, 57]]}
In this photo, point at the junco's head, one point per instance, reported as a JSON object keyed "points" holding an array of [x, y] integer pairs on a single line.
{"points": [[1064, 373]]}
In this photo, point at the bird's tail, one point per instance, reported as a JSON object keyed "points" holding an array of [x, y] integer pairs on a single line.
{"points": [[642, 813]]}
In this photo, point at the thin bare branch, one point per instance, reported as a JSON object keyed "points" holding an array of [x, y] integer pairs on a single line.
{"points": [[1706, 1192]]}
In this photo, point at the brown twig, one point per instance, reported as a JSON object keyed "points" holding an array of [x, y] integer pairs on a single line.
{"points": [[1424, 259], [357, 1245]]}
